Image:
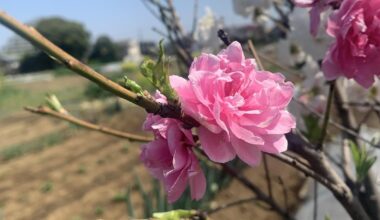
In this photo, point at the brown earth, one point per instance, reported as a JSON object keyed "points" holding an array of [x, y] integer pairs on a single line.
{"points": [[79, 177]]}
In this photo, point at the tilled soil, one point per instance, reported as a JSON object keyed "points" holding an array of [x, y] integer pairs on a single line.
{"points": [[79, 177]]}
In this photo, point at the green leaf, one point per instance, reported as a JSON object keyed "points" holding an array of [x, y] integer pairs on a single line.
{"points": [[158, 73], [128, 202], [363, 161], [148, 209], [313, 130]]}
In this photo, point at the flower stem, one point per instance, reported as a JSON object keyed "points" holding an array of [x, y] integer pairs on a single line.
{"points": [[326, 117]]}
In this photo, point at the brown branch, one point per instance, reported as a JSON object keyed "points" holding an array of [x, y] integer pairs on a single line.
{"points": [[365, 118], [255, 54], [320, 164], [370, 197], [109, 131], [267, 176], [284, 192], [308, 171]]}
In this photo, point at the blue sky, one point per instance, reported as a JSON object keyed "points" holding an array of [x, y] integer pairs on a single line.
{"points": [[120, 19]]}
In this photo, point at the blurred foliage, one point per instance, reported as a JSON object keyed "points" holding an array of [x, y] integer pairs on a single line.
{"points": [[362, 159], [158, 73], [313, 130], [155, 199], [71, 36], [129, 67], [14, 98], [104, 50]]}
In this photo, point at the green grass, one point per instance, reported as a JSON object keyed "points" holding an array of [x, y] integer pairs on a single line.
{"points": [[99, 211], [47, 187], [14, 99], [35, 145]]}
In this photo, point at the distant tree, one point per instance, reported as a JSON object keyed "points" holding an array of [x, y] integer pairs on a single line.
{"points": [[71, 36], [104, 50]]}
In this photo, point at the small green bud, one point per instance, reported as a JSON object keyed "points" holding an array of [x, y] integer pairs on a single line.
{"points": [[132, 85], [54, 104]]}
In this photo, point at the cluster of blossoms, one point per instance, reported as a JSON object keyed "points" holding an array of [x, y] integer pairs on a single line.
{"points": [[355, 26], [241, 111]]}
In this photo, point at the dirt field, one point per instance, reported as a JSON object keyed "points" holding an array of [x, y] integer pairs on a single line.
{"points": [[51, 170]]}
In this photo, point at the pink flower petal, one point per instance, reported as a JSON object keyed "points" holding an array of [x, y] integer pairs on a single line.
{"points": [[215, 146], [248, 153]]}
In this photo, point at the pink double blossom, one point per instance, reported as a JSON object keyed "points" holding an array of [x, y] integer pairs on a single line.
{"points": [[242, 111], [355, 52], [317, 7], [170, 156]]}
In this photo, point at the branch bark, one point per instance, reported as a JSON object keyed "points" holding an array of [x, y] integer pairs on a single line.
{"points": [[370, 197], [320, 164], [88, 125]]}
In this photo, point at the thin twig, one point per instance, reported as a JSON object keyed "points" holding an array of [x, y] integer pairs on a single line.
{"points": [[267, 176], [365, 118], [285, 193], [307, 171], [88, 125], [326, 117], [266, 169], [195, 18], [160, 32], [255, 54], [337, 125]]}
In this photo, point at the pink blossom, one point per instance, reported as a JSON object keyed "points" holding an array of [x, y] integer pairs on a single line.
{"points": [[355, 52], [170, 157], [317, 7], [242, 111]]}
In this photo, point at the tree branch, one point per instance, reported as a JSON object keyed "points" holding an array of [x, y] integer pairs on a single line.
{"points": [[370, 197], [335, 184], [66, 117]]}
